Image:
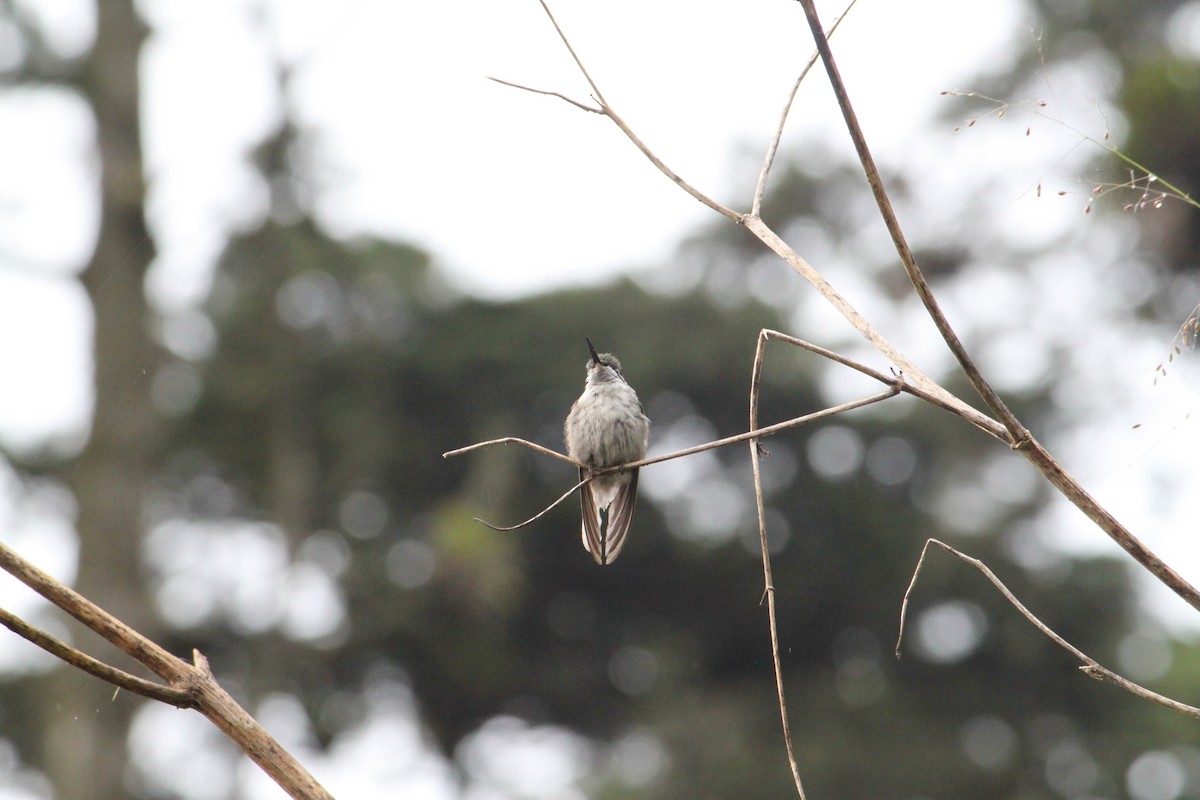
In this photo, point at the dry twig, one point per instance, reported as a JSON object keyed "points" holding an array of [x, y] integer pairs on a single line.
{"points": [[1090, 667], [768, 580], [760, 187]]}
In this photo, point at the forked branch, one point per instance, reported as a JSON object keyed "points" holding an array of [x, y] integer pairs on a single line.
{"points": [[185, 685]]}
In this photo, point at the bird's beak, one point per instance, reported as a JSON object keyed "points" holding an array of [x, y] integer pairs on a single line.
{"points": [[595, 357]]}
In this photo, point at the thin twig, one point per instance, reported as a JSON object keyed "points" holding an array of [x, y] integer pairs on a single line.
{"points": [[985, 424], [180, 698], [546, 451], [1090, 667], [770, 430], [578, 62], [768, 580], [1169, 189], [541, 513], [761, 187], [548, 93]]}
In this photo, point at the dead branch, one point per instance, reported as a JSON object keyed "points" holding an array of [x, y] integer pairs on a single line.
{"points": [[541, 513], [1019, 436], [185, 685], [760, 187], [770, 430], [1090, 667], [547, 93], [768, 580], [513, 440]]}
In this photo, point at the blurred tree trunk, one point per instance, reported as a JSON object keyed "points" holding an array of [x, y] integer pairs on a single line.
{"points": [[85, 750]]}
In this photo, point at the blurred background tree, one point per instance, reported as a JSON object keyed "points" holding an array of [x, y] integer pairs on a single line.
{"points": [[263, 481]]}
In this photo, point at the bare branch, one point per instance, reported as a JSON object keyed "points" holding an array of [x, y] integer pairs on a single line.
{"points": [[1090, 666], [548, 93], [768, 580], [541, 513], [566, 42], [761, 187], [1037, 455], [513, 440]]}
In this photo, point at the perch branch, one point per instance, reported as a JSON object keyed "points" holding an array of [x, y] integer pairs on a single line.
{"points": [[895, 385], [770, 430], [688, 451], [546, 451], [1090, 667]]}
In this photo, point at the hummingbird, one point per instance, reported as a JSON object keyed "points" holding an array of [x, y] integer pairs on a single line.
{"points": [[606, 427]]}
